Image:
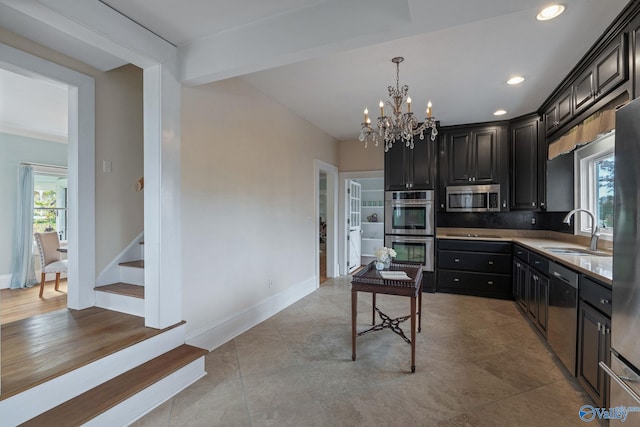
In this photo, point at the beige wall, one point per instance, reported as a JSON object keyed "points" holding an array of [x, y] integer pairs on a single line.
{"points": [[247, 200], [119, 139], [354, 157]]}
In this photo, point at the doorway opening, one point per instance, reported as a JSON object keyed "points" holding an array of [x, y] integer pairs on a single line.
{"points": [[326, 209]]}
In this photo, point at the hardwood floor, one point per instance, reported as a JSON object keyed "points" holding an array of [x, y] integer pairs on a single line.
{"points": [[39, 348], [17, 304]]}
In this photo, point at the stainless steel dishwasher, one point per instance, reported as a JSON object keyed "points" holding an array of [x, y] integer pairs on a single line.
{"points": [[563, 314]]}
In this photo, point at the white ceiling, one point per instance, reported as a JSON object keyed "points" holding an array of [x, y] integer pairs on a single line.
{"points": [[328, 59], [33, 107]]}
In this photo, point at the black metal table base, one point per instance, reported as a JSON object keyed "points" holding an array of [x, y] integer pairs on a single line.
{"points": [[388, 323]]}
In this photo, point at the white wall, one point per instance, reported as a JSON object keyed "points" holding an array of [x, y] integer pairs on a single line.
{"points": [[354, 157], [247, 202], [119, 139], [13, 150]]}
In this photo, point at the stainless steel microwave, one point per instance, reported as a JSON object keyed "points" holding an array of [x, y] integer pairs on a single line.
{"points": [[473, 198]]}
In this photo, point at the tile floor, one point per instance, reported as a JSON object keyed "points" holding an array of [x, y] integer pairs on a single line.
{"points": [[478, 363]]}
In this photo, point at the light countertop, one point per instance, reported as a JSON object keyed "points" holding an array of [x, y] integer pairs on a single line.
{"points": [[596, 266]]}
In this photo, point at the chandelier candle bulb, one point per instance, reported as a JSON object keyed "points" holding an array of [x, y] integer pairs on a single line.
{"points": [[429, 112], [366, 115], [381, 104], [408, 104]]}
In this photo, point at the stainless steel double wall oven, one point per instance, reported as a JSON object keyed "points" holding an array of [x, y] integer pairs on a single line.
{"points": [[409, 226]]}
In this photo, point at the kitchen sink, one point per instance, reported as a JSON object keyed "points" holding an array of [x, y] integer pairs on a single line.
{"points": [[576, 251]]}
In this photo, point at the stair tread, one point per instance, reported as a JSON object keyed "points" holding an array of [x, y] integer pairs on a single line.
{"points": [[121, 288], [136, 264], [94, 402]]}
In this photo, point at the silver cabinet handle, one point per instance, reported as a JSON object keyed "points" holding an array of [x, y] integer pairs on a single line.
{"points": [[533, 204], [621, 383], [599, 326], [456, 280], [490, 282], [490, 262], [456, 260], [604, 301]]}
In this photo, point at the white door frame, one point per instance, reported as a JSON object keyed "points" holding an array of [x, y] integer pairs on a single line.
{"points": [[343, 229], [332, 215], [81, 168]]}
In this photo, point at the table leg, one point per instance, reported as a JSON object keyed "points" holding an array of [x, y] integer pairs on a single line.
{"points": [[373, 310], [420, 309], [413, 334], [354, 314]]}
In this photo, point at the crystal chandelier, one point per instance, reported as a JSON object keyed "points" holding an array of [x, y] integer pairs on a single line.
{"points": [[402, 124]]}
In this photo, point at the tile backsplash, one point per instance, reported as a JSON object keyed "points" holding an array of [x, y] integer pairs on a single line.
{"points": [[506, 220]]}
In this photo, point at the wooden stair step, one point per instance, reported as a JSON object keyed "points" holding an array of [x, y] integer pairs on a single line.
{"points": [[120, 288], [98, 400], [134, 264]]}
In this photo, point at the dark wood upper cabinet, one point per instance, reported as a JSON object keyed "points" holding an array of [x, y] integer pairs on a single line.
{"points": [[525, 164], [559, 112], [472, 156], [634, 58], [411, 169], [604, 73]]}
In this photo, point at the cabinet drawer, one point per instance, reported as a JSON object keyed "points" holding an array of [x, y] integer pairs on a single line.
{"points": [[486, 283], [475, 261], [474, 246], [596, 294], [539, 263], [521, 253]]}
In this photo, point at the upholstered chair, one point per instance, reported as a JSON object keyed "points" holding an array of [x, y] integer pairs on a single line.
{"points": [[50, 262]]}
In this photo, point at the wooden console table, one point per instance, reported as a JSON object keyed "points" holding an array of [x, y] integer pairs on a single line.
{"points": [[370, 280]]}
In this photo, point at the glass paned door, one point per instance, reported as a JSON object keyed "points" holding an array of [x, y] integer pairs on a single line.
{"points": [[354, 192]]}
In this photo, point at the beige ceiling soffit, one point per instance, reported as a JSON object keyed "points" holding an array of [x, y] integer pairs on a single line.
{"points": [[588, 130]]}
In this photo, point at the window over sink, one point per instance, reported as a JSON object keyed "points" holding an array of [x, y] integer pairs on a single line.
{"points": [[595, 171]]}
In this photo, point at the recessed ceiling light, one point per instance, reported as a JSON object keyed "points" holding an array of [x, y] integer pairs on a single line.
{"points": [[515, 80], [500, 112], [550, 12]]}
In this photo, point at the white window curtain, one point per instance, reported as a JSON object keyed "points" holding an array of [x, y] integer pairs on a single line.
{"points": [[22, 269]]}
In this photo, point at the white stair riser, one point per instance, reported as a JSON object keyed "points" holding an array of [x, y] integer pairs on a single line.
{"points": [[121, 303], [60, 389], [132, 275], [151, 397]]}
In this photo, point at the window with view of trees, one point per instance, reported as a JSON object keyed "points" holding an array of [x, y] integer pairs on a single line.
{"points": [[595, 172], [50, 204]]}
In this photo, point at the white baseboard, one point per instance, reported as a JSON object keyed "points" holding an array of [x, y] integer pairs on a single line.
{"points": [[231, 327], [5, 281]]}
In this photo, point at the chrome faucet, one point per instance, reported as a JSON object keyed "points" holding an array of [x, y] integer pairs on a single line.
{"points": [[595, 230]]}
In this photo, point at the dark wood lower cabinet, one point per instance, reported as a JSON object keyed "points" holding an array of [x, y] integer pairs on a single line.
{"points": [[594, 339], [481, 268], [531, 286]]}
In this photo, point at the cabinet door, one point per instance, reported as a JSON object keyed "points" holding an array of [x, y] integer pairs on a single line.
{"points": [[543, 302], [551, 119], [421, 164], [610, 67], [634, 40], [485, 156], [394, 170], [564, 108], [458, 154], [532, 297], [584, 91], [520, 282], [559, 112], [524, 163], [594, 343]]}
